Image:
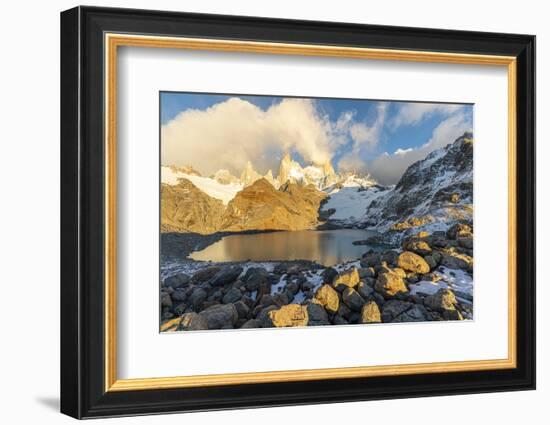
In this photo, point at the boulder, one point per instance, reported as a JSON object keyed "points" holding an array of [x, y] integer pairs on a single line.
{"points": [[416, 313], [329, 274], [419, 247], [290, 315], [370, 313], [390, 284], [459, 230], [232, 296], [193, 322], [251, 324], [339, 320], [264, 318], [242, 309], [457, 260], [220, 315], [442, 300], [364, 290], [165, 300], [171, 325], [328, 298], [197, 298], [393, 309], [390, 257], [431, 261], [205, 274], [466, 242], [370, 259], [413, 262], [347, 279], [352, 299], [317, 315], [179, 295], [178, 280], [254, 276], [226, 275], [280, 299], [367, 272]]}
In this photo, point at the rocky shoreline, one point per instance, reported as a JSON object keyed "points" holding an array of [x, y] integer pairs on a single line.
{"points": [[428, 278]]}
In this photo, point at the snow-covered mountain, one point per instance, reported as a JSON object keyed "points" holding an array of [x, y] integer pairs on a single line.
{"points": [[224, 186], [210, 186], [432, 191], [320, 176]]}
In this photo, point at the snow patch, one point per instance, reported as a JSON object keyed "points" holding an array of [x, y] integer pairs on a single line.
{"points": [[223, 192]]}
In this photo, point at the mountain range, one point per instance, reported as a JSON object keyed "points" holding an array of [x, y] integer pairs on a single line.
{"points": [[437, 189]]}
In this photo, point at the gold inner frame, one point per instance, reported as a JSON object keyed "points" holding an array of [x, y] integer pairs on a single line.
{"points": [[113, 41]]}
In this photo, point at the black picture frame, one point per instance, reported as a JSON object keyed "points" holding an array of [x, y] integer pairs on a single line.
{"points": [[83, 392]]}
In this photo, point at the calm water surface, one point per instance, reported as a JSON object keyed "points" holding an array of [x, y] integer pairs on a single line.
{"points": [[327, 247]]}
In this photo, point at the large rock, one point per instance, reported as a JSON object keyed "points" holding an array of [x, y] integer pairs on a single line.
{"points": [[370, 259], [419, 247], [219, 316], [390, 284], [329, 274], [370, 313], [171, 325], [251, 324], [416, 313], [197, 298], [193, 322], [289, 316], [178, 280], [328, 298], [393, 309], [347, 279], [317, 315], [205, 274], [254, 277], [352, 299], [413, 262], [242, 309], [232, 296], [459, 230], [442, 300], [364, 290], [264, 318], [226, 275], [457, 260]]}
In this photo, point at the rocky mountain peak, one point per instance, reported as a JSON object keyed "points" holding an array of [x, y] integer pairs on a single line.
{"points": [[249, 174]]}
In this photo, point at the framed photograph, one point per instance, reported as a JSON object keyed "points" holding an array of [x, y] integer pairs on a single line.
{"points": [[261, 212]]}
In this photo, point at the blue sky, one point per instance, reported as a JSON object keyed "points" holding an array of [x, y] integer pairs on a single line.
{"points": [[378, 137]]}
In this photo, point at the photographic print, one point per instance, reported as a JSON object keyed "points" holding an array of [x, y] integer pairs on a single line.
{"points": [[284, 211]]}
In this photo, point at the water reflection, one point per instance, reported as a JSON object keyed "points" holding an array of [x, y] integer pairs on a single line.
{"points": [[327, 247]]}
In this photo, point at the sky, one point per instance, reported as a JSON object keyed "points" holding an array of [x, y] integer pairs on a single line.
{"points": [[381, 138]]}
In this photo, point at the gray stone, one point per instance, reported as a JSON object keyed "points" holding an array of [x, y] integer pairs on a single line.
{"points": [[352, 299], [251, 324], [220, 315], [205, 274], [394, 308], [317, 315], [177, 280], [232, 296], [197, 298], [193, 322], [226, 275]]}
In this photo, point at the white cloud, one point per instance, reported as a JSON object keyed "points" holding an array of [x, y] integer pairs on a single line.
{"points": [[388, 168], [415, 113], [230, 133], [365, 139]]}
